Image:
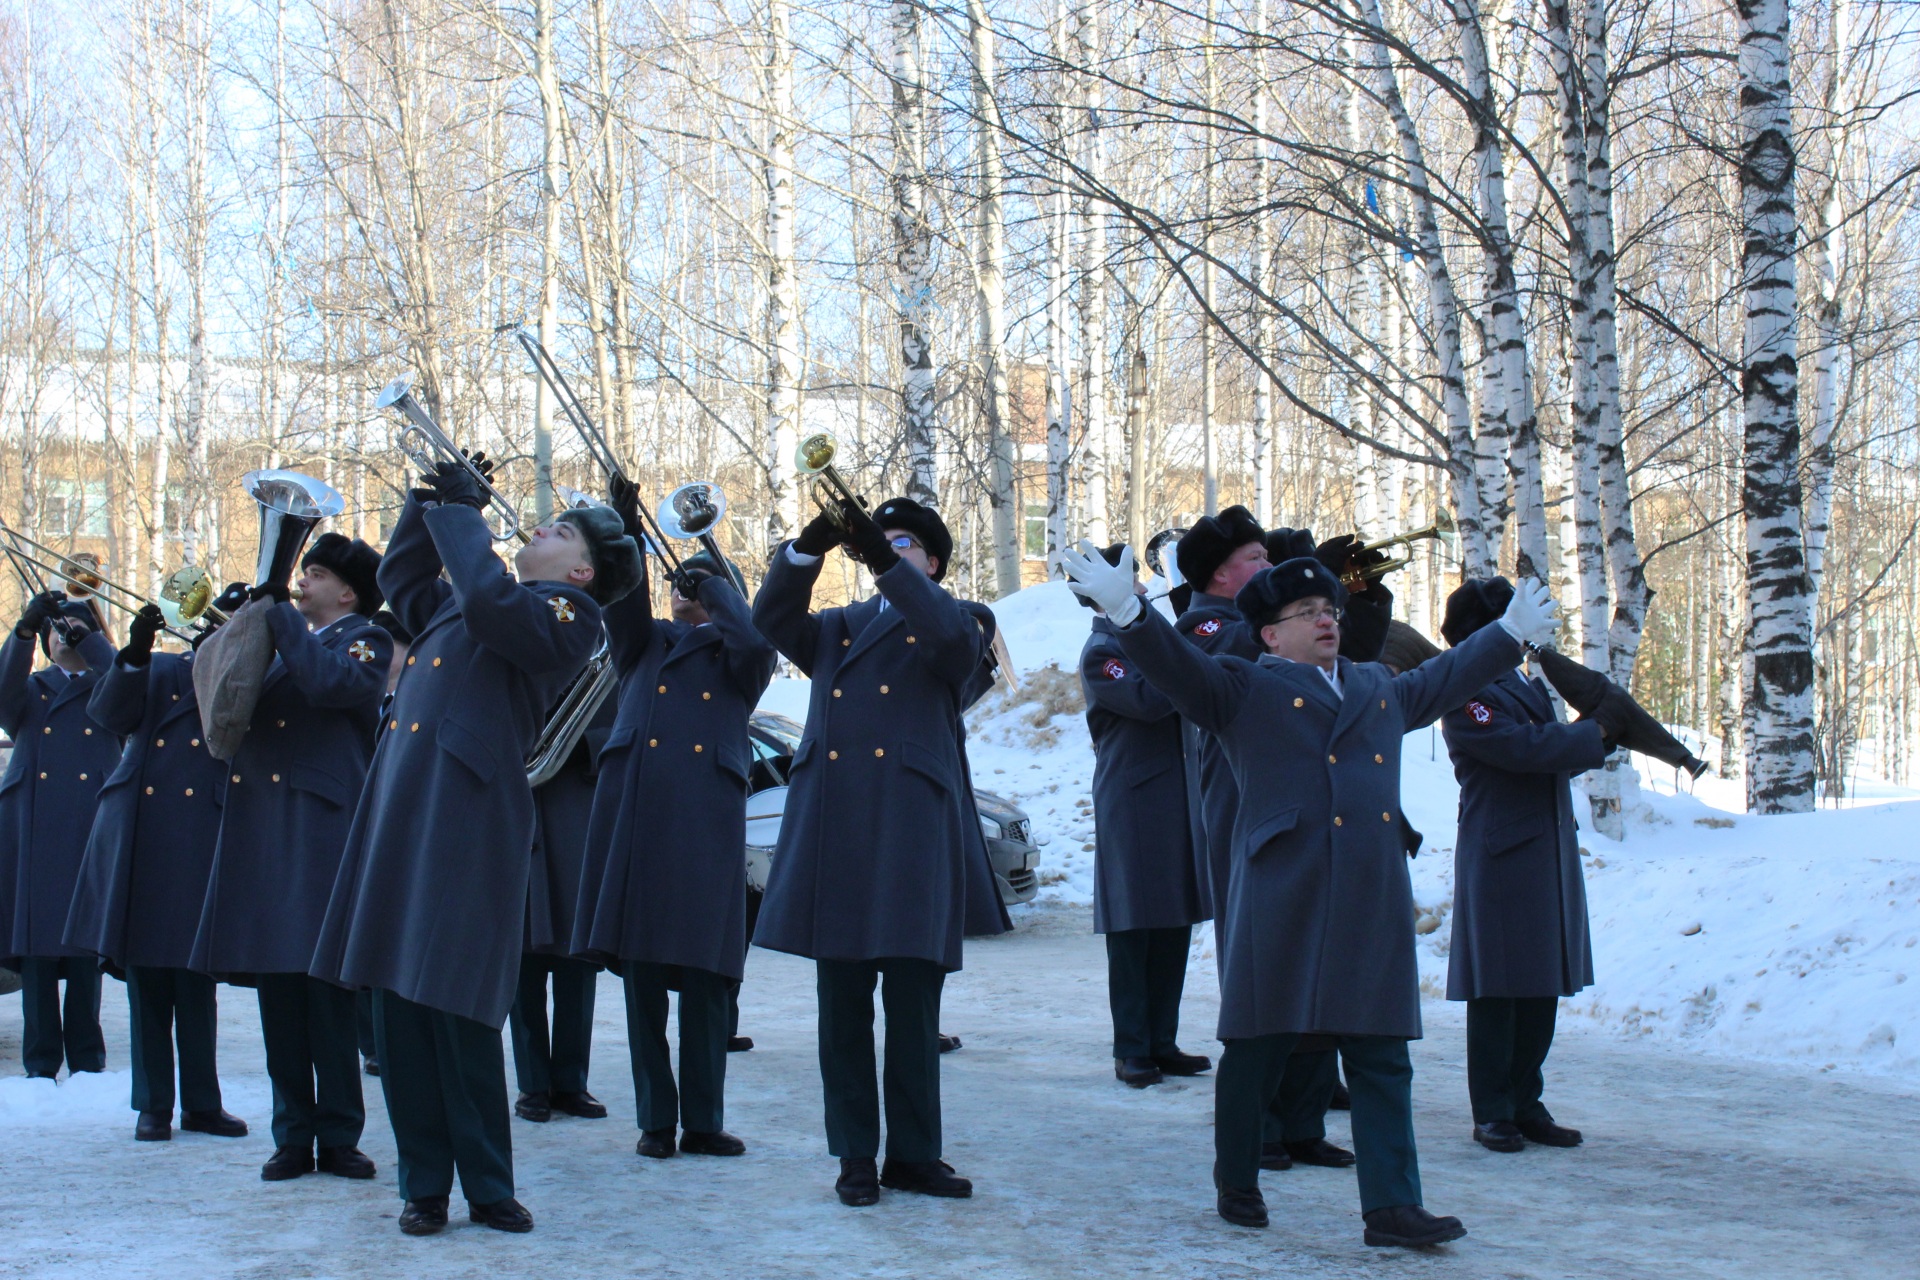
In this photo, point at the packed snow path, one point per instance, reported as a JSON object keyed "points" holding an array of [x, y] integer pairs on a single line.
{"points": [[1693, 1167]]}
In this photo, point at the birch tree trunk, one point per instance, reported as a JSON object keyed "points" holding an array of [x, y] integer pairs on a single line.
{"points": [[1263, 233], [1058, 212], [783, 306], [195, 231], [1209, 390], [990, 250], [913, 253], [1093, 267], [1780, 769], [1827, 246], [547, 80]]}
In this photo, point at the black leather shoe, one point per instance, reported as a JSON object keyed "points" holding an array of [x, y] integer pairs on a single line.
{"points": [[154, 1126], [1341, 1100], [1549, 1134], [501, 1215], [711, 1144], [425, 1216], [579, 1103], [859, 1181], [1274, 1157], [1182, 1064], [948, 1043], [1242, 1208], [1499, 1135], [657, 1143], [536, 1107], [373, 1069], [345, 1162], [1321, 1153], [287, 1162], [220, 1124], [1138, 1072], [925, 1177], [739, 1044], [1410, 1227]]}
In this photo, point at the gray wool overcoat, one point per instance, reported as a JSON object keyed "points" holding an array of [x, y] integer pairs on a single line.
{"points": [[562, 811], [1214, 626]]}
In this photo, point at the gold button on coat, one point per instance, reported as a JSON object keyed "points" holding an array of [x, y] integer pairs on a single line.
{"points": [[1383, 704], [1333, 759], [414, 727], [236, 777], [83, 777], [883, 688], [411, 659], [436, 662], [1386, 817], [48, 729], [1337, 822], [836, 693], [194, 743], [1299, 702], [88, 732], [706, 697], [653, 742], [879, 751], [1379, 759], [149, 790], [845, 643], [911, 640], [159, 742], [831, 755], [661, 689], [697, 748], [189, 790], [43, 776], [276, 777], [393, 724]]}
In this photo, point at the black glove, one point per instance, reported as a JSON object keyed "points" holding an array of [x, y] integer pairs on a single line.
{"points": [[455, 485], [867, 540], [39, 611], [278, 592], [232, 598], [140, 635], [686, 582], [1613, 714], [819, 537], [624, 497]]}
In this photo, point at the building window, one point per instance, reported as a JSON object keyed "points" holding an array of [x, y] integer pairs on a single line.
{"points": [[1036, 531], [76, 510]]}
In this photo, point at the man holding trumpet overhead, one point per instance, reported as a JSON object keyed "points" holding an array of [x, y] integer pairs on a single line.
{"points": [[430, 904], [881, 866], [1320, 904]]}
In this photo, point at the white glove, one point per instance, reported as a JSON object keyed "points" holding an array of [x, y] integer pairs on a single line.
{"points": [[1108, 588], [1532, 615]]}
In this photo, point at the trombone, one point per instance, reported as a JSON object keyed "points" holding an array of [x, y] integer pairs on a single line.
{"points": [[81, 580], [427, 445]]}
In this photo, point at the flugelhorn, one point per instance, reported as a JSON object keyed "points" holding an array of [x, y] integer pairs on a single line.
{"points": [[814, 457], [427, 445], [1442, 528]]}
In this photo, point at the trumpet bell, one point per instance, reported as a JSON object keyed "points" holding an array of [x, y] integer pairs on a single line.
{"points": [[815, 453], [692, 510], [575, 499]]}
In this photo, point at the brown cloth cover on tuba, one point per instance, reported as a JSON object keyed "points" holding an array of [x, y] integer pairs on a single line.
{"points": [[1586, 689], [228, 672]]}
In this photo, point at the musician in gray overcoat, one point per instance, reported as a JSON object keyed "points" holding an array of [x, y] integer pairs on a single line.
{"points": [[881, 868], [429, 909], [143, 881], [551, 1056], [1320, 906], [667, 903], [1520, 937], [61, 756], [287, 802], [1146, 892]]}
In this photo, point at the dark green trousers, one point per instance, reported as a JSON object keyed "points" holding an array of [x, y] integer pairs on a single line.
{"points": [[166, 1006], [313, 1060], [55, 1031], [1146, 972], [552, 1057], [1507, 1044], [697, 1101], [1298, 1112], [445, 1081], [910, 994], [1380, 1077], [363, 1024]]}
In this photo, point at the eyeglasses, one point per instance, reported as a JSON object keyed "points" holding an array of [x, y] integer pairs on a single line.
{"points": [[1325, 613], [901, 541]]}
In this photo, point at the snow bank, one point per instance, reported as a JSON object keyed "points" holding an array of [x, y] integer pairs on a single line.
{"points": [[1788, 938]]}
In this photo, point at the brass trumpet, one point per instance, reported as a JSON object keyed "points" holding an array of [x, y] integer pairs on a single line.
{"points": [[814, 457], [1442, 528]]}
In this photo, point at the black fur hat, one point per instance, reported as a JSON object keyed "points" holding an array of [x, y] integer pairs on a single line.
{"points": [[1273, 589], [355, 563], [1283, 544], [923, 523], [1206, 546], [611, 549], [1112, 556], [1473, 604]]}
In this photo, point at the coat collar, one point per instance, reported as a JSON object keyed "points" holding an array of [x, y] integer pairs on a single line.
{"points": [[65, 687], [1364, 683], [868, 621], [1310, 676], [1531, 696]]}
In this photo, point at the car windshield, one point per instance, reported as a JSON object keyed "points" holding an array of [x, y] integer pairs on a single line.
{"points": [[778, 727]]}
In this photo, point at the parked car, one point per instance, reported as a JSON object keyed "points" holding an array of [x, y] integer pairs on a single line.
{"points": [[1009, 832]]}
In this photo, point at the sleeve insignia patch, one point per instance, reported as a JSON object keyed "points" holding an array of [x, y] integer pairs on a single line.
{"points": [[1114, 669], [1207, 628], [562, 608], [360, 651], [1480, 712]]}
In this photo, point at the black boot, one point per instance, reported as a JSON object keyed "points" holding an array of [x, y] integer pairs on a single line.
{"points": [[1242, 1208], [1320, 1152], [1341, 1100], [501, 1215], [1549, 1134], [345, 1162], [739, 1044], [373, 1069], [859, 1181], [711, 1144], [1410, 1227], [287, 1162], [657, 1143], [154, 1126], [536, 1107], [925, 1177], [948, 1043], [220, 1124], [1182, 1064], [1138, 1072], [425, 1216], [1273, 1156], [1499, 1135], [579, 1103]]}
